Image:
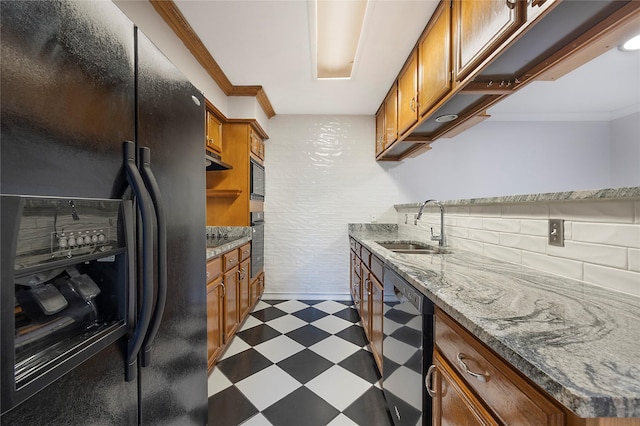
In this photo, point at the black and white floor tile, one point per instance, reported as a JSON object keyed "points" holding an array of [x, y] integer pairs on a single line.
{"points": [[298, 363]]}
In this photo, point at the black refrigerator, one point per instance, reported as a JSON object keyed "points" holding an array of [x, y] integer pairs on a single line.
{"points": [[85, 96]]}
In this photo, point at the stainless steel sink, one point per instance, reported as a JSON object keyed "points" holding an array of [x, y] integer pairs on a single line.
{"points": [[408, 247]]}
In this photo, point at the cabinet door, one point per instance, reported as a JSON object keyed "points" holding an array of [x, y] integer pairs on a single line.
{"points": [[453, 404], [391, 116], [230, 281], [380, 131], [538, 7], [214, 320], [376, 320], [356, 284], [243, 286], [214, 133], [365, 301], [434, 53], [480, 27], [257, 145], [408, 94]]}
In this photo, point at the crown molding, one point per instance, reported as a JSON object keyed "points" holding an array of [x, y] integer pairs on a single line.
{"points": [[170, 13]]}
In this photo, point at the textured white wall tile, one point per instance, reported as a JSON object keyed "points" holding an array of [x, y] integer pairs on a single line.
{"points": [[610, 234], [634, 260], [469, 222], [485, 211], [615, 257], [484, 236], [526, 211], [465, 244], [320, 176], [534, 227], [503, 253], [625, 281], [594, 211], [501, 225], [554, 265], [455, 231], [524, 242]]}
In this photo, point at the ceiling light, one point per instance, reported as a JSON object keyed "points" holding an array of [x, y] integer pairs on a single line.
{"points": [[338, 28], [631, 44]]}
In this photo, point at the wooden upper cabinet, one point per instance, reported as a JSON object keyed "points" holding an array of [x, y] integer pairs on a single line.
{"points": [[537, 7], [257, 146], [391, 116], [214, 132], [408, 94], [480, 27], [380, 130], [434, 59]]}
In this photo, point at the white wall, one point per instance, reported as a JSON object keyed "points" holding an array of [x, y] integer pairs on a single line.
{"points": [[498, 158], [321, 175], [142, 14], [625, 151]]}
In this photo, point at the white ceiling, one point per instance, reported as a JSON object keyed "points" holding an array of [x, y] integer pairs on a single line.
{"points": [[266, 42]]}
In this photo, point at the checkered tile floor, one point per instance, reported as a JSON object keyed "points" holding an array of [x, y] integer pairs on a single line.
{"points": [[298, 363]]}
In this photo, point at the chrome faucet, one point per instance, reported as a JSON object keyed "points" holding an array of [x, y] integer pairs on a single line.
{"points": [[438, 238]]}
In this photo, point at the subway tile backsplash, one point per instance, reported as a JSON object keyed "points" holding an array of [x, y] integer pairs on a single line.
{"points": [[602, 237]]}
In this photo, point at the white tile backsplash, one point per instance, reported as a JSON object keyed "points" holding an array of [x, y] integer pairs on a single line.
{"points": [[602, 238], [616, 279], [609, 234]]}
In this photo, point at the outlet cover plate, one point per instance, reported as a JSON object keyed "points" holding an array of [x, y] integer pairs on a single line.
{"points": [[556, 232]]}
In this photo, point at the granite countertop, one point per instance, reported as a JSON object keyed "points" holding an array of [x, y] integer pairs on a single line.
{"points": [[578, 342], [221, 239], [630, 192]]}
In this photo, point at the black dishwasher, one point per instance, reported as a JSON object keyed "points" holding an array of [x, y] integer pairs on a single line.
{"points": [[407, 351]]}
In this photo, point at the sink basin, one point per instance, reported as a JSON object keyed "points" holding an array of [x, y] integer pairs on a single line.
{"points": [[406, 247]]}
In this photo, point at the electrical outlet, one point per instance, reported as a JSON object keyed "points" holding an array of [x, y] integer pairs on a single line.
{"points": [[373, 218], [556, 232]]}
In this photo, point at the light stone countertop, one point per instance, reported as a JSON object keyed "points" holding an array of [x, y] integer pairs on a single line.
{"points": [[630, 192], [221, 239], [578, 342]]}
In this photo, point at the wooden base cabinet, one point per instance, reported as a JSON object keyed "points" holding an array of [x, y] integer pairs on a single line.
{"points": [[215, 324], [367, 290], [453, 404], [476, 384], [230, 297]]}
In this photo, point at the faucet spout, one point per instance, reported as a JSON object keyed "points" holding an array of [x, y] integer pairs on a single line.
{"points": [[438, 238]]}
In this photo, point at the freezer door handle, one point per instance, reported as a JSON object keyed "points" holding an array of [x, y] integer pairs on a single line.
{"points": [[145, 207], [161, 264]]}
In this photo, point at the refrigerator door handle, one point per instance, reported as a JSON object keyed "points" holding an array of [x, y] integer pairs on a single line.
{"points": [[154, 191], [145, 206]]}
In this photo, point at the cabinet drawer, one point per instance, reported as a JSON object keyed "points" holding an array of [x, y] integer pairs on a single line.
{"points": [[245, 252], [511, 397], [214, 269], [230, 259], [365, 255], [377, 267]]}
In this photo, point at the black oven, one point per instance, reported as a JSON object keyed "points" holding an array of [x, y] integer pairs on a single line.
{"points": [[64, 287], [257, 181], [257, 243]]}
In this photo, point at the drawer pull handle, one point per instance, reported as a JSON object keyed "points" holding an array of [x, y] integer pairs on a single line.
{"points": [[480, 376], [427, 381]]}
